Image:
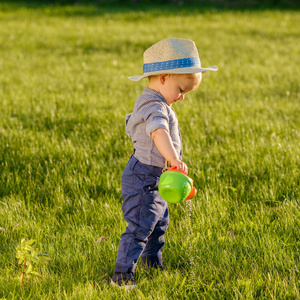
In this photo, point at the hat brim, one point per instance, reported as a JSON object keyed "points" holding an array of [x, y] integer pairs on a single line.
{"points": [[189, 70]]}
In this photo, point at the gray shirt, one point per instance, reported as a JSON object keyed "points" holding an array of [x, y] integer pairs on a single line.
{"points": [[151, 112]]}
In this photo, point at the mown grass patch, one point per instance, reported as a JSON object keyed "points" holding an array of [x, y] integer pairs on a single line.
{"points": [[64, 94]]}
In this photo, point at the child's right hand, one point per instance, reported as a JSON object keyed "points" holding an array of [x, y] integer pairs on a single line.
{"points": [[181, 166]]}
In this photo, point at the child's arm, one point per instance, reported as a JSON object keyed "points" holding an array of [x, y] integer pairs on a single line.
{"points": [[165, 146]]}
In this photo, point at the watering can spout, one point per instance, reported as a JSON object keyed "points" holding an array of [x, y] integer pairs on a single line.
{"points": [[192, 193]]}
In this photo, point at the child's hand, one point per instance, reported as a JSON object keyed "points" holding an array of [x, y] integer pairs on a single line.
{"points": [[181, 166]]}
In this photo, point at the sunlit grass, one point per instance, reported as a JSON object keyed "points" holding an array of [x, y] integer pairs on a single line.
{"points": [[64, 94]]}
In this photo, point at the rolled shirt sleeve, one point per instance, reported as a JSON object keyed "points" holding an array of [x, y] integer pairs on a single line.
{"points": [[155, 117]]}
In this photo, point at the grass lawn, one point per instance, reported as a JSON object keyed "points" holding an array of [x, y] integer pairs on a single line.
{"points": [[64, 94]]}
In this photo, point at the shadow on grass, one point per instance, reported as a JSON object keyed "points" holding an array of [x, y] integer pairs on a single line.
{"points": [[90, 8]]}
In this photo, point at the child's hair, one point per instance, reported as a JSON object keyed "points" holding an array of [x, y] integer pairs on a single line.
{"points": [[195, 77], [192, 76]]}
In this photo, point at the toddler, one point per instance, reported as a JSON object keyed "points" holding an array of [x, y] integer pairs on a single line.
{"points": [[173, 68]]}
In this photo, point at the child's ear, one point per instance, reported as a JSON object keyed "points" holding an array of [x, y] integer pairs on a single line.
{"points": [[163, 77]]}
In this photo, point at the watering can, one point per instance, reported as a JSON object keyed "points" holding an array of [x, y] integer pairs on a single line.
{"points": [[175, 186]]}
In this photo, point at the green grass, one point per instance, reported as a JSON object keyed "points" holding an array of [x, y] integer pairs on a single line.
{"points": [[64, 94]]}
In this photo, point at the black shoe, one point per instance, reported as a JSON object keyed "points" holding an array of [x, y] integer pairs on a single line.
{"points": [[123, 280]]}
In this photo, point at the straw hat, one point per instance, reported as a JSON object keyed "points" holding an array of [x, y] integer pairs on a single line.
{"points": [[172, 56]]}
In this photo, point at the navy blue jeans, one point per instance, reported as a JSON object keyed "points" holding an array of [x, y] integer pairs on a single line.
{"points": [[147, 216]]}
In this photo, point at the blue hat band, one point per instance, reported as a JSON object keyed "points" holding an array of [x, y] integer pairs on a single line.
{"points": [[172, 64]]}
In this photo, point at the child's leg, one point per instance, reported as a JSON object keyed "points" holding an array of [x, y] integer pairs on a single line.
{"points": [[152, 254], [142, 208]]}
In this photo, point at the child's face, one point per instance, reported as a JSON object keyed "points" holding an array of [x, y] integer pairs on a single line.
{"points": [[175, 86]]}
